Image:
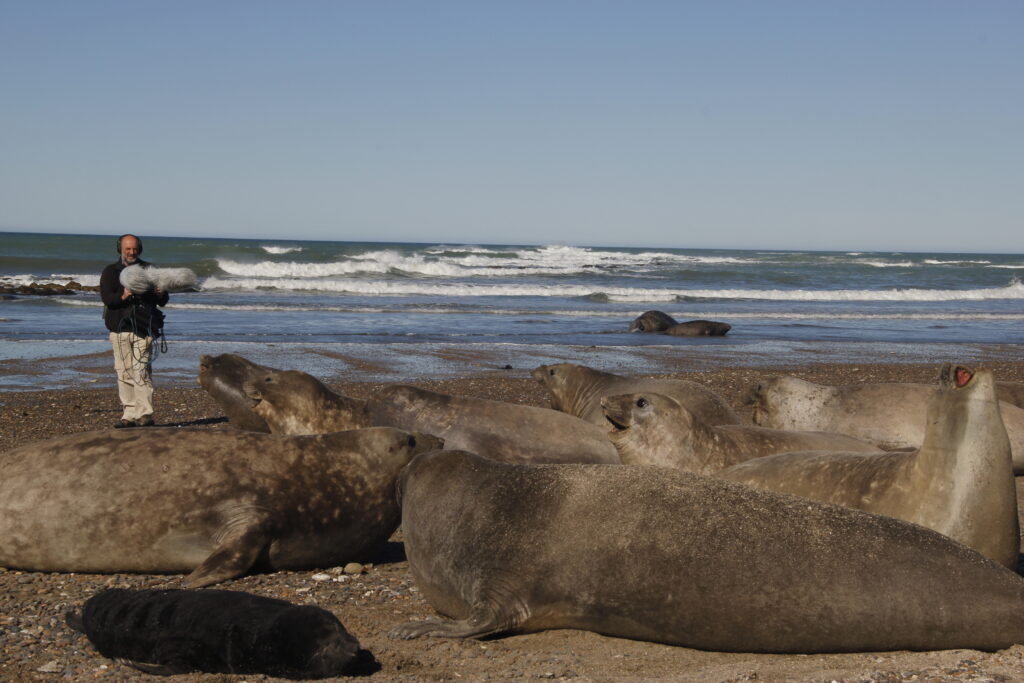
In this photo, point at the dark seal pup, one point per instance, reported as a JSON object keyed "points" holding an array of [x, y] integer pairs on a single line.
{"points": [[223, 377], [654, 554], [170, 632]]}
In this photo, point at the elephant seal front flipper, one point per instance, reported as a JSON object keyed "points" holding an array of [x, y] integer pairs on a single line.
{"points": [[244, 537]]}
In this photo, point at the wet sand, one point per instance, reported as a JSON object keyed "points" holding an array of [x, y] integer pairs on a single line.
{"points": [[35, 644]]}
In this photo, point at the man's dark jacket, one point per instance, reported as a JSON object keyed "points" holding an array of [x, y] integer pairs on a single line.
{"points": [[124, 315]]}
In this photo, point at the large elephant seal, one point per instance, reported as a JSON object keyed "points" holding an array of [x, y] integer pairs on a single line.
{"points": [[578, 390], [699, 328], [959, 482], [1011, 392], [890, 415], [170, 632], [211, 502], [653, 429], [294, 402], [222, 377], [687, 560], [652, 321]]}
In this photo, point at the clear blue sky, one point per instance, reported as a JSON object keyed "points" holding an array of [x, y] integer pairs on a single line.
{"points": [[859, 124]]}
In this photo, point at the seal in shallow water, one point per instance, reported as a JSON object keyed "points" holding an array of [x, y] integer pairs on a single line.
{"points": [[578, 390], [891, 415], [222, 378], [959, 482], [687, 560], [170, 632], [652, 321], [295, 402], [213, 502], [699, 328], [653, 429]]}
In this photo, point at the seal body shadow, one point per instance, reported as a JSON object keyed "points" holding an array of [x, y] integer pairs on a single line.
{"points": [[686, 560], [216, 631]]}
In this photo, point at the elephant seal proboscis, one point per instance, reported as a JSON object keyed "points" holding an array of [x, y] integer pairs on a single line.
{"points": [[295, 402], [699, 328], [213, 502], [959, 482], [652, 321], [890, 415], [578, 390], [654, 429], [169, 632], [222, 377], [686, 560]]}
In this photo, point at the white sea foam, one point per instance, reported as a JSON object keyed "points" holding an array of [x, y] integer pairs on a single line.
{"points": [[937, 262], [272, 249], [1015, 290], [91, 280], [885, 264]]}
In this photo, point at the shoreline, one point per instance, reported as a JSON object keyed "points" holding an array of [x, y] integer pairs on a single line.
{"points": [[35, 644]]}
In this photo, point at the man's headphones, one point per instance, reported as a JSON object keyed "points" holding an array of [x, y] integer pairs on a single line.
{"points": [[128, 234]]}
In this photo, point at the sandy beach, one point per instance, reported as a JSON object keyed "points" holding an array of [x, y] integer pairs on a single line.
{"points": [[36, 645]]}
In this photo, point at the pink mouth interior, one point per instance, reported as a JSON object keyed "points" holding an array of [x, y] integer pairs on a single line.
{"points": [[962, 376]]}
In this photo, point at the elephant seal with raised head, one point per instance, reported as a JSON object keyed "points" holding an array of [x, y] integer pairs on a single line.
{"points": [[654, 429], [959, 482], [210, 502], [652, 321], [686, 560], [578, 390], [294, 402], [222, 377], [167, 632], [890, 415]]}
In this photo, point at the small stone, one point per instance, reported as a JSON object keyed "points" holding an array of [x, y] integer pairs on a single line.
{"points": [[353, 568], [321, 577], [50, 668]]}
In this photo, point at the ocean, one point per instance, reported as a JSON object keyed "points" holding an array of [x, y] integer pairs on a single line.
{"points": [[394, 311]]}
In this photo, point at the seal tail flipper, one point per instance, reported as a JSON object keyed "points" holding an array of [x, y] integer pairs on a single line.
{"points": [[154, 669], [484, 621], [233, 557], [74, 621]]}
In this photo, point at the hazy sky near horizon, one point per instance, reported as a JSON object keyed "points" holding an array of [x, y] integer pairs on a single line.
{"points": [[867, 124]]}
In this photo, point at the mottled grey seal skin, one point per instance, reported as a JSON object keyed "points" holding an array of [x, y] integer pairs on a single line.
{"points": [[891, 415], [686, 560], [293, 402], [653, 429], [223, 377], [1011, 392], [699, 328], [959, 482], [211, 502], [169, 632], [652, 321], [578, 390]]}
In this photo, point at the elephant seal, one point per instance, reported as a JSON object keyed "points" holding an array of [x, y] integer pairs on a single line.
{"points": [[959, 482], [578, 390], [687, 560], [653, 429], [222, 378], [890, 415], [170, 632], [213, 502], [295, 402], [699, 328], [1011, 392], [652, 321]]}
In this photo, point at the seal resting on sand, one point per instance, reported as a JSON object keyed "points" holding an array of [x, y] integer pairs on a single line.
{"points": [[578, 390], [211, 502], [653, 429], [170, 632], [687, 560], [222, 378], [890, 415], [959, 482], [295, 402]]}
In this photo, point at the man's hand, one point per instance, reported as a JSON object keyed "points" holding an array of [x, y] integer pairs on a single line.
{"points": [[126, 294]]}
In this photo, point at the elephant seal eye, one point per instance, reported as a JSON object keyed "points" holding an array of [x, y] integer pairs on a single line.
{"points": [[641, 403], [412, 442], [551, 372]]}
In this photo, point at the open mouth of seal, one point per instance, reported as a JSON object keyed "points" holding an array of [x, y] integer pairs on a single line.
{"points": [[957, 376], [616, 425]]}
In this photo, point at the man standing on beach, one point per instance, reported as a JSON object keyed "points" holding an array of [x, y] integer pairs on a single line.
{"points": [[134, 322]]}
